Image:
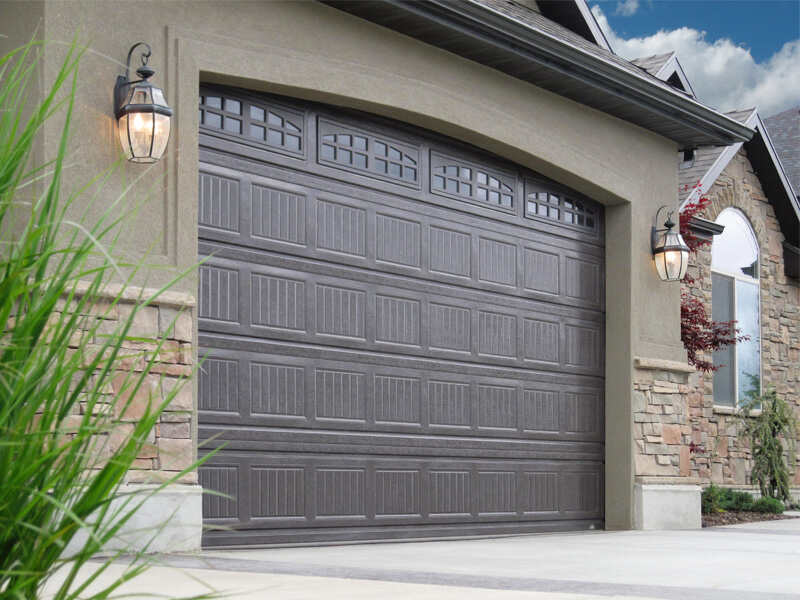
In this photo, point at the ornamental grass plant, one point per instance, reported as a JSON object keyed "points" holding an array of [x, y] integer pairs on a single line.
{"points": [[63, 454]]}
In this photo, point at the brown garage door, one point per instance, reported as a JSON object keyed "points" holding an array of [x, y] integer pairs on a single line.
{"points": [[404, 335]]}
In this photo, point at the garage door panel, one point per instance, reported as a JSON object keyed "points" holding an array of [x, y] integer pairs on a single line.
{"points": [[261, 389], [312, 490], [258, 301], [411, 241], [311, 352], [402, 335], [236, 256]]}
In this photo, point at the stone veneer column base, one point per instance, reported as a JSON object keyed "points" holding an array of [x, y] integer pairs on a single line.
{"points": [[666, 506]]}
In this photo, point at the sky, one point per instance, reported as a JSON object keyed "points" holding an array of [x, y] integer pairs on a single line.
{"points": [[736, 53]]}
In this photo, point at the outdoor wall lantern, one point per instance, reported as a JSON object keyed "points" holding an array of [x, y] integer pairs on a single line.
{"points": [[670, 252], [142, 112]]}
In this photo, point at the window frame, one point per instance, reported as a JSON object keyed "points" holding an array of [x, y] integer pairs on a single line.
{"points": [[736, 405]]}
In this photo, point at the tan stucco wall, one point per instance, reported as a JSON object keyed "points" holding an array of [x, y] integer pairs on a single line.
{"points": [[312, 51]]}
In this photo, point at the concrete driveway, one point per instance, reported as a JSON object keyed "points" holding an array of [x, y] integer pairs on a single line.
{"points": [[757, 561]]}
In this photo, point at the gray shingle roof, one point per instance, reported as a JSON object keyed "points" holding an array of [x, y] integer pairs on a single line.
{"points": [[704, 159], [653, 63], [784, 131], [740, 115]]}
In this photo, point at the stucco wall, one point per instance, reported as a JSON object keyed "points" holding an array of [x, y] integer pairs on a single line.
{"points": [[723, 456], [311, 51]]}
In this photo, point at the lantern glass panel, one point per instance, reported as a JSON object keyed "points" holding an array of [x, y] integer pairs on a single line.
{"points": [[684, 263], [677, 257], [673, 260], [661, 266], [122, 128], [158, 97], [140, 95], [161, 135], [136, 135]]}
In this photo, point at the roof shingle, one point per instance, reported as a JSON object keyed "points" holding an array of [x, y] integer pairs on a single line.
{"points": [[784, 131], [652, 64]]}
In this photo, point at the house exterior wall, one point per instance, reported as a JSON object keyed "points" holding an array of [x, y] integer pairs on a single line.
{"points": [[723, 456], [311, 51]]}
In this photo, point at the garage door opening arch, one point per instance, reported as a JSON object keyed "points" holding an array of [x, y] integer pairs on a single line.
{"points": [[403, 334]]}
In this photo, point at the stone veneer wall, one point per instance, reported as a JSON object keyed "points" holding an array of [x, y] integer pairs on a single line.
{"points": [[724, 458], [171, 448], [661, 427]]}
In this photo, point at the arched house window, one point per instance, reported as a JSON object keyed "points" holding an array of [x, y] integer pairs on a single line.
{"points": [[735, 295]]}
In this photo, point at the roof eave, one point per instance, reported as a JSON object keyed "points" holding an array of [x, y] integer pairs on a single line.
{"points": [[670, 103], [645, 103]]}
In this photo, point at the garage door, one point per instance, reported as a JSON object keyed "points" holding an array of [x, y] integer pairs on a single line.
{"points": [[404, 335]]}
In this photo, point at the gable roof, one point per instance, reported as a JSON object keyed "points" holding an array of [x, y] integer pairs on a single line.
{"points": [[526, 44], [784, 130], [711, 161], [652, 64], [666, 67], [577, 17]]}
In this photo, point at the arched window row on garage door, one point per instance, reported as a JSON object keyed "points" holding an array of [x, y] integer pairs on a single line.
{"points": [[407, 162]]}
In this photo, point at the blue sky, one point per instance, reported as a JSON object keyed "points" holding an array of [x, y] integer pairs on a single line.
{"points": [[736, 53], [762, 26]]}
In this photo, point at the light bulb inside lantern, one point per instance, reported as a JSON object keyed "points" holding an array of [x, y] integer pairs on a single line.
{"points": [[673, 260], [137, 125]]}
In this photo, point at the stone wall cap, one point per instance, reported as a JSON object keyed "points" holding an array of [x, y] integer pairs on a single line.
{"points": [[660, 364], [130, 293]]}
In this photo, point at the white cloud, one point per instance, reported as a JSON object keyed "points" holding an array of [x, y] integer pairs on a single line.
{"points": [[723, 74], [627, 8]]}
